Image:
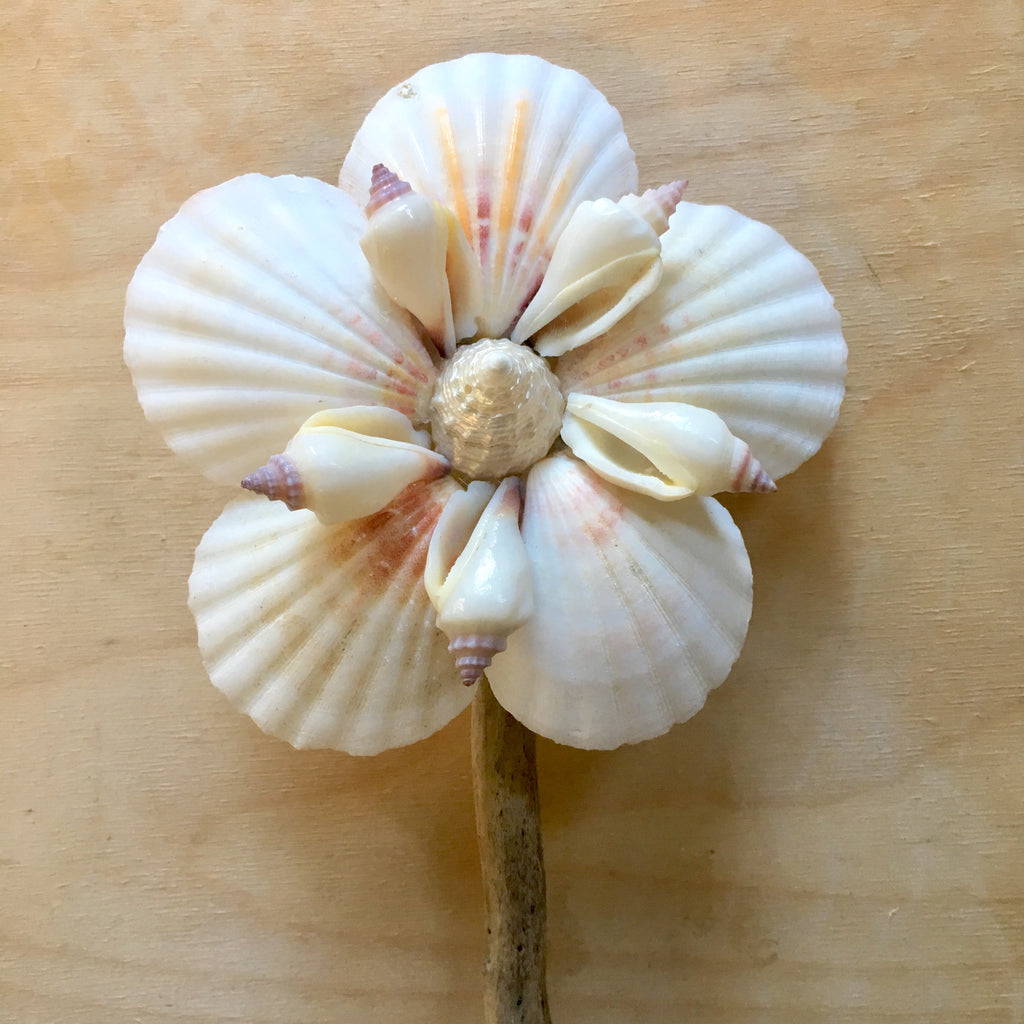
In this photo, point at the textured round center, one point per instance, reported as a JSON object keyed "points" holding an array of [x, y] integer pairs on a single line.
{"points": [[496, 409]]}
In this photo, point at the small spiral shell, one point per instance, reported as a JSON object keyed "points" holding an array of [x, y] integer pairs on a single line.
{"points": [[656, 205], [496, 409], [474, 654], [749, 475], [385, 186], [279, 480], [667, 450]]}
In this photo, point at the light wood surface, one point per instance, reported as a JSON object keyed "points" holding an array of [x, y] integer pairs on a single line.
{"points": [[838, 837]]}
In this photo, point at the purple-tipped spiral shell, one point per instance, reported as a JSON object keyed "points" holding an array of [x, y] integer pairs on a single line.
{"points": [[666, 196], [750, 476], [474, 653], [279, 480], [385, 185]]}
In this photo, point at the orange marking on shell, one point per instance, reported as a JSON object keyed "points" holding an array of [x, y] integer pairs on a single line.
{"points": [[450, 153], [514, 156]]}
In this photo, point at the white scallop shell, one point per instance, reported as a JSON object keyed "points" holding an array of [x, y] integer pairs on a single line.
{"points": [[641, 608], [325, 636], [741, 325], [254, 308], [512, 145]]}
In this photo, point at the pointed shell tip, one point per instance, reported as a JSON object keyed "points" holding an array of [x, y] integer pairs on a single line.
{"points": [[385, 186], [279, 480]]}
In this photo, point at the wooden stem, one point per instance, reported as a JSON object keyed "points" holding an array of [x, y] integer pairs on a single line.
{"points": [[512, 860]]}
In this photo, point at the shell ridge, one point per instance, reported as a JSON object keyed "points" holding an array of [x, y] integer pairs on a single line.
{"points": [[410, 627], [249, 599], [251, 366], [642, 554], [697, 567], [235, 346], [248, 589], [546, 212], [237, 323], [233, 244], [556, 518], [622, 533]]}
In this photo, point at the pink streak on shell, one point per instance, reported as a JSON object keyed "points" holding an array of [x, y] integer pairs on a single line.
{"points": [[751, 477]]}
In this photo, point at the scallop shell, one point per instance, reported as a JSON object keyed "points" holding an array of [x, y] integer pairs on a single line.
{"points": [[254, 308], [741, 325], [641, 608], [512, 145], [325, 636]]}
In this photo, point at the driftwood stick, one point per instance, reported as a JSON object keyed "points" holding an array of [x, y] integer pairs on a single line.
{"points": [[512, 860]]}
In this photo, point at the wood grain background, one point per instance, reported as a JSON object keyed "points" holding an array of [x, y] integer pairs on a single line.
{"points": [[838, 837]]}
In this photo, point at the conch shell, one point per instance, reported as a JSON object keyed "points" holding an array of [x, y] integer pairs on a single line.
{"points": [[606, 261], [348, 463], [667, 450], [422, 259], [478, 574]]}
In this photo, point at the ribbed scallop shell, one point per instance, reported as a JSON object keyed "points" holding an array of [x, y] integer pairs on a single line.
{"points": [[512, 145], [325, 635], [254, 308], [641, 608], [741, 325]]}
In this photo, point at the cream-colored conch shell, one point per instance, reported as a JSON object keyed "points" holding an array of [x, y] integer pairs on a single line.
{"points": [[478, 575], [348, 463], [422, 259], [606, 261], [665, 449]]}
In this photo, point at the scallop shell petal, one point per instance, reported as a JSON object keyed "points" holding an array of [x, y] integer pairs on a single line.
{"points": [[325, 636], [255, 308], [641, 608], [511, 144], [741, 325]]}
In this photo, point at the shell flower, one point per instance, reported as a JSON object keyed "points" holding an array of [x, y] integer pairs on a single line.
{"points": [[492, 388]]}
